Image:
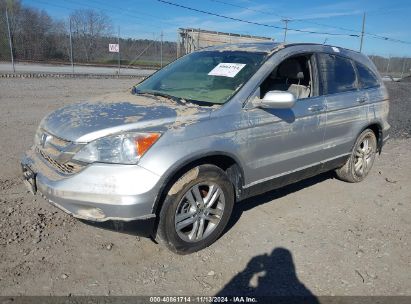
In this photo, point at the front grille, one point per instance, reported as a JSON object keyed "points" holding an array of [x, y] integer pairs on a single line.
{"points": [[66, 168]]}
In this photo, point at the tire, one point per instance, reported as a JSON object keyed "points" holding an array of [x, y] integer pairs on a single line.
{"points": [[361, 160], [200, 200]]}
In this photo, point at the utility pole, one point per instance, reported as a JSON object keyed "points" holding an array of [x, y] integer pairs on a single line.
{"points": [[118, 42], [161, 50], [285, 28], [362, 31], [10, 42], [71, 48]]}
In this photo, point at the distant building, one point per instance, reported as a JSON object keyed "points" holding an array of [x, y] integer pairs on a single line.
{"points": [[190, 39]]}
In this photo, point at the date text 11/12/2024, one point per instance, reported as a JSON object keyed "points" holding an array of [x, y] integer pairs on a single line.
{"points": [[202, 299]]}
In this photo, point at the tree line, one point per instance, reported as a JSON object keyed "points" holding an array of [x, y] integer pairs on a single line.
{"points": [[395, 66], [36, 36]]}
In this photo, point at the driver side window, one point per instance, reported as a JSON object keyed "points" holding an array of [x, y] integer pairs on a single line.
{"points": [[293, 75]]}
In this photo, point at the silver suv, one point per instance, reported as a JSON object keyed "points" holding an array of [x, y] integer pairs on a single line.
{"points": [[211, 129]]}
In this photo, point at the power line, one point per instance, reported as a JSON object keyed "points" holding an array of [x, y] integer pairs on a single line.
{"points": [[247, 8], [139, 12], [111, 11], [270, 13], [372, 35], [254, 23], [44, 2], [121, 12]]}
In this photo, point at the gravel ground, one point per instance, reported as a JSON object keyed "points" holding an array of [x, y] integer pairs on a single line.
{"points": [[320, 236], [400, 109]]}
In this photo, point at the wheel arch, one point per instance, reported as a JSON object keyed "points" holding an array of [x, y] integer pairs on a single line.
{"points": [[225, 161], [376, 127]]}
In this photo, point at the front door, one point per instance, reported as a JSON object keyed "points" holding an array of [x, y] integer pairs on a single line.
{"points": [[283, 141]]}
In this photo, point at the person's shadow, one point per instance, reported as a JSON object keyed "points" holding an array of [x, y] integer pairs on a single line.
{"points": [[270, 276]]}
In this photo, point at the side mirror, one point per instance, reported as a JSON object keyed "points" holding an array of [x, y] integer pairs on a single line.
{"points": [[277, 100]]}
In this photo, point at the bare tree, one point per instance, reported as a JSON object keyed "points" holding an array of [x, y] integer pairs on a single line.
{"points": [[31, 34], [89, 26], [34, 34]]}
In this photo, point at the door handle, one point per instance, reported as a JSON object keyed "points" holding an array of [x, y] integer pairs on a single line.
{"points": [[316, 108], [362, 99]]}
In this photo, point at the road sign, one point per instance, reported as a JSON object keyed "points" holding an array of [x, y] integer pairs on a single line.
{"points": [[113, 48]]}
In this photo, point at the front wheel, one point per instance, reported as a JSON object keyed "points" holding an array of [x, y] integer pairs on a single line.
{"points": [[196, 209], [361, 160]]}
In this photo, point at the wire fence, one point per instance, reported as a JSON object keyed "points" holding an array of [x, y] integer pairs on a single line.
{"points": [[88, 39], [396, 67]]}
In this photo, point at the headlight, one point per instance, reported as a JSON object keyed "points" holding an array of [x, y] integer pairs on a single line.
{"points": [[37, 137], [119, 149]]}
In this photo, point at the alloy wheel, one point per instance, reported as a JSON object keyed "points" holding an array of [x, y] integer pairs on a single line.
{"points": [[363, 157], [199, 212]]}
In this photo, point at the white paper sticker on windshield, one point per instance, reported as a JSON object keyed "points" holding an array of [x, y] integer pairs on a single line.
{"points": [[335, 49], [227, 69]]}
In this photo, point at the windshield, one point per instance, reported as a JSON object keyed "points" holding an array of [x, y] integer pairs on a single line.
{"points": [[206, 76]]}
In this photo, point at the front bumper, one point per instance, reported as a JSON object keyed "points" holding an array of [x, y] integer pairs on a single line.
{"points": [[100, 192]]}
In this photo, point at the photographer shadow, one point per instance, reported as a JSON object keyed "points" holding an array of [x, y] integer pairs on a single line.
{"points": [[270, 275]]}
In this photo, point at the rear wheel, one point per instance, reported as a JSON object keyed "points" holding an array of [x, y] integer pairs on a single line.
{"points": [[361, 160], [196, 210]]}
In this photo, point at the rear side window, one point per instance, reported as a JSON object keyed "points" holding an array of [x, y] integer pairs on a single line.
{"points": [[367, 78], [337, 74]]}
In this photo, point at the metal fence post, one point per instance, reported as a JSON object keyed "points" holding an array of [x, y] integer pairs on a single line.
{"points": [[10, 42], [403, 67], [178, 45], [118, 42], [161, 50], [198, 39], [71, 48], [388, 65]]}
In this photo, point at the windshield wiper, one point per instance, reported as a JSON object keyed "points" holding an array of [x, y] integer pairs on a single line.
{"points": [[174, 98], [178, 100], [201, 103]]}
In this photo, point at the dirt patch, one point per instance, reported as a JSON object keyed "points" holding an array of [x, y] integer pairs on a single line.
{"points": [[185, 179], [6, 184]]}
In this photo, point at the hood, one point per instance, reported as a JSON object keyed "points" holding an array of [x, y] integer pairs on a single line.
{"points": [[86, 121]]}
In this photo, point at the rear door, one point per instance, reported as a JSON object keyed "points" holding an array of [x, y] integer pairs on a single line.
{"points": [[345, 105], [371, 93]]}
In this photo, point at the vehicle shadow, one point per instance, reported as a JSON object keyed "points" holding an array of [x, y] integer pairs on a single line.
{"points": [[267, 197], [143, 228], [270, 275]]}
